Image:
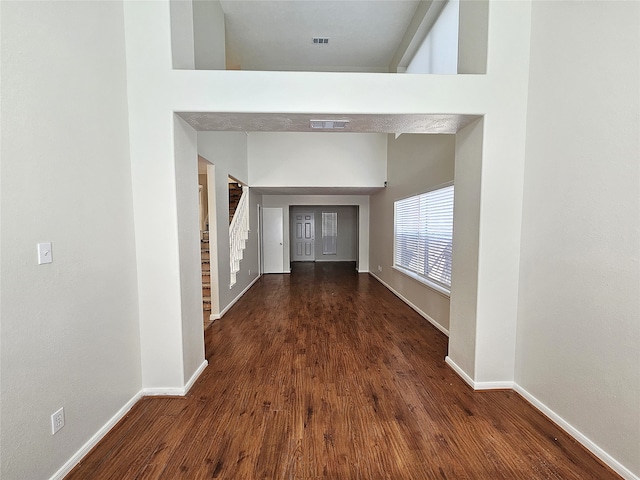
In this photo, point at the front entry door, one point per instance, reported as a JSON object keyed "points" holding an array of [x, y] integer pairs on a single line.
{"points": [[303, 237]]}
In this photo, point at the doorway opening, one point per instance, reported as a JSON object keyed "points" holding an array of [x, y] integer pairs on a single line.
{"points": [[208, 239], [323, 233]]}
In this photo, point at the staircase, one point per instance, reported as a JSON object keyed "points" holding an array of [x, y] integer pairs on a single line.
{"points": [[235, 194], [206, 277], [238, 233]]}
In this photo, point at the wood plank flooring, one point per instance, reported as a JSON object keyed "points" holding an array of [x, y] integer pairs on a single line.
{"points": [[326, 374]]}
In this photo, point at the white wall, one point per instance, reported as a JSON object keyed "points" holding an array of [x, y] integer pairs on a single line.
{"points": [[347, 241], [182, 34], [228, 153], [208, 35], [416, 163], [322, 159], [186, 154], [464, 268], [70, 333], [579, 316], [473, 28], [361, 201]]}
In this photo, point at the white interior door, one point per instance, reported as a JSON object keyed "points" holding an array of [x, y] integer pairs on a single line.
{"points": [[303, 233], [273, 239]]}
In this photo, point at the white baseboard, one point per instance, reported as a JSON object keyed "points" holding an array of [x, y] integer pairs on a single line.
{"points": [[468, 380], [93, 441], [553, 416], [176, 391], [232, 303], [616, 466], [320, 260], [195, 376], [420, 312]]}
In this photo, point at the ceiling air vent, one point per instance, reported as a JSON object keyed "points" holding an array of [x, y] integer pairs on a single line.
{"points": [[320, 40], [329, 124]]}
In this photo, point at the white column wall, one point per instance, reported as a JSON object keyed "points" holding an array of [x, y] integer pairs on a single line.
{"points": [[464, 268], [578, 352], [186, 158], [153, 169]]}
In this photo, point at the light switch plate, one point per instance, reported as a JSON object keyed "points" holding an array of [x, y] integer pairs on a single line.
{"points": [[45, 254]]}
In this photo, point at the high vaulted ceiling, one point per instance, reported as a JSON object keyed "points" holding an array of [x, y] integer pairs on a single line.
{"points": [[363, 35]]}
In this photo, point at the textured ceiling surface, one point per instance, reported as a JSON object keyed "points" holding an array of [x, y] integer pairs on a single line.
{"points": [[278, 35], [316, 190], [358, 123]]}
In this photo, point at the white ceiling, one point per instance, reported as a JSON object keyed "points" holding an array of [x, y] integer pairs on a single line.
{"points": [[277, 35]]}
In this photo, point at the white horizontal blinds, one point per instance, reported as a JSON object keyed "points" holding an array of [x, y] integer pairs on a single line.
{"points": [[437, 209], [409, 248], [424, 234], [329, 233]]}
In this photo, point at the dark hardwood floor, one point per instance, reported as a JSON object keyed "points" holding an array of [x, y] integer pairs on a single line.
{"points": [[326, 374]]}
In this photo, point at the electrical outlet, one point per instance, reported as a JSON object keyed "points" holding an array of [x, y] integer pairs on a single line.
{"points": [[249, 272], [57, 421], [379, 268]]}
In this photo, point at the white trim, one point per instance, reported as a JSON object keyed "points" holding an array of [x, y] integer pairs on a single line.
{"points": [[460, 372], [195, 376], [423, 314], [503, 385], [99, 435], [93, 441], [553, 416], [176, 391], [318, 260], [500, 385], [577, 435], [424, 281], [232, 302]]}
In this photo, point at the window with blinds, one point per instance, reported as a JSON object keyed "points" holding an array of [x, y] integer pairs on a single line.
{"points": [[423, 237], [329, 233]]}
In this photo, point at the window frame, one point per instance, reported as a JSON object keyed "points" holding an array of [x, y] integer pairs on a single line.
{"points": [[329, 247], [429, 282]]}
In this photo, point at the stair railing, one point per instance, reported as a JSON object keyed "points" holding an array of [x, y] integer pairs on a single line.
{"points": [[238, 235]]}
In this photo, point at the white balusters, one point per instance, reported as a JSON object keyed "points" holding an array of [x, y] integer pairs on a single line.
{"points": [[238, 234]]}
